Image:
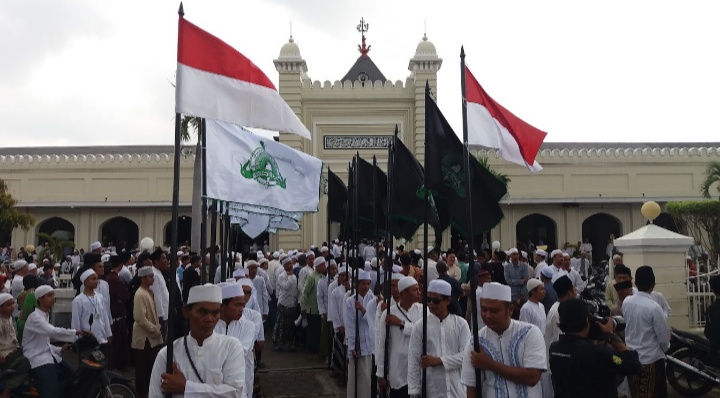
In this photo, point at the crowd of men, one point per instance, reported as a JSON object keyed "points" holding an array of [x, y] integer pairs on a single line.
{"points": [[534, 333]]}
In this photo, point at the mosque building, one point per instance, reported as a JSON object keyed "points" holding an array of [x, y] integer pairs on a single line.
{"points": [[120, 194]]}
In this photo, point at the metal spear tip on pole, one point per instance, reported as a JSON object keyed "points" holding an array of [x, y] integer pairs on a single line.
{"points": [[181, 11], [462, 52]]}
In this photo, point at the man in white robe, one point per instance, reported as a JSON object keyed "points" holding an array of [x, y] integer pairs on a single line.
{"points": [[359, 321], [89, 304], [401, 319], [205, 362], [232, 323], [512, 356], [533, 311], [447, 337]]}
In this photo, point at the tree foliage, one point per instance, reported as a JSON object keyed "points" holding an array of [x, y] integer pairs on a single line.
{"points": [[712, 176], [188, 125], [500, 176], [55, 247], [701, 220], [10, 216]]}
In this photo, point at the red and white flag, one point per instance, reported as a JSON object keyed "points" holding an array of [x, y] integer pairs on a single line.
{"points": [[215, 81], [492, 126]]}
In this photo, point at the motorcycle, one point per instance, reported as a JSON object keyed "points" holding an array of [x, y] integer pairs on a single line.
{"points": [[90, 379], [691, 364]]}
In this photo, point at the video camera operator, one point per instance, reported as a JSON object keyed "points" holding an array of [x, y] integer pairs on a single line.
{"points": [[583, 367]]}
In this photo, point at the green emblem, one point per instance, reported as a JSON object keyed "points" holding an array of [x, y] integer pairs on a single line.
{"points": [[263, 168], [452, 169]]}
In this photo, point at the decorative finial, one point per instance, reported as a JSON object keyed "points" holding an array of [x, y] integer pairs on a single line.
{"points": [[362, 28], [181, 11], [291, 39], [425, 30]]}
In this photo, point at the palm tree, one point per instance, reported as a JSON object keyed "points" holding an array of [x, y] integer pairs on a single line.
{"points": [[56, 247], [483, 160], [188, 125], [712, 175]]}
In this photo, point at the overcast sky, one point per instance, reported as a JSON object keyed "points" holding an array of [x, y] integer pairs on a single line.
{"points": [[88, 72]]}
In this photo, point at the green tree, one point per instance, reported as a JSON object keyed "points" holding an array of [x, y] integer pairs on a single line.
{"points": [[483, 160], [712, 176], [10, 216], [56, 247]]}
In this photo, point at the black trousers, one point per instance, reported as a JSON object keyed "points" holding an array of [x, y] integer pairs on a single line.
{"points": [[399, 393]]}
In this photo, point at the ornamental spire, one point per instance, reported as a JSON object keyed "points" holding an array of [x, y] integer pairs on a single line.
{"points": [[362, 28]]}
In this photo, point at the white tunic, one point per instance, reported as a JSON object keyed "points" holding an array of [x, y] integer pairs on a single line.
{"points": [[538, 269], [366, 323], [162, 295], [256, 318], [322, 295], [103, 288], [223, 376], [335, 307], [398, 345], [446, 339], [262, 295], [521, 345], [36, 339], [534, 313], [272, 272], [245, 331], [287, 290], [85, 307]]}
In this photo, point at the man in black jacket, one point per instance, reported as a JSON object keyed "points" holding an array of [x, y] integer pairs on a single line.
{"points": [[581, 367]]}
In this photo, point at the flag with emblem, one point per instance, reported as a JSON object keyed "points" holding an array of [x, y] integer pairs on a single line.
{"points": [[445, 179], [249, 169]]}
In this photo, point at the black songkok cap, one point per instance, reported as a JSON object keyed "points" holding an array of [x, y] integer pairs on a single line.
{"points": [[143, 256], [623, 285], [156, 254], [573, 311], [91, 258], [622, 269], [644, 276], [115, 261], [124, 256], [562, 285]]}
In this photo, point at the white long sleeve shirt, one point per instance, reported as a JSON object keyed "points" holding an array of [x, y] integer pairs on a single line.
{"points": [[538, 269], [85, 307], [287, 290], [244, 331], [447, 340], [366, 323], [36, 339], [399, 343], [521, 345], [262, 295], [223, 376], [335, 307], [162, 295], [646, 331], [322, 295], [272, 271], [534, 314], [256, 318], [103, 288]]}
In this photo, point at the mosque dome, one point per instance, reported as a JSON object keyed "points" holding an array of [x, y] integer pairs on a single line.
{"points": [[425, 49], [290, 50]]}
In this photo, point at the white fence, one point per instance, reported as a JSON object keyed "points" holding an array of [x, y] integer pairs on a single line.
{"points": [[699, 295]]}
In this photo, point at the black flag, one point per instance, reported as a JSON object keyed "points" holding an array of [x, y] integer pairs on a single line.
{"points": [[446, 180], [337, 198], [370, 223]]}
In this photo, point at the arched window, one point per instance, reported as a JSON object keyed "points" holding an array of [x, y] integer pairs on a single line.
{"points": [[184, 231], [537, 228], [597, 229], [58, 228], [120, 232]]}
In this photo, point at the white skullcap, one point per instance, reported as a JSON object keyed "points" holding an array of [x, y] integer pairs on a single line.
{"points": [[318, 261], [374, 262], [251, 263], [397, 277], [310, 253], [441, 287], [396, 269], [105, 258], [429, 249], [541, 252], [245, 282], [32, 266], [406, 282], [232, 290], [180, 253], [86, 275], [566, 255], [332, 262], [276, 255], [342, 269], [262, 261], [145, 271], [281, 251], [41, 291], [286, 260], [238, 265], [555, 253], [617, 256], [207, 293], [417, 251], [19, 264], [313, 247], [547, 272], [364, 276], [239, 273], [496, 291], [95, 245], [4, 297], [513, 250], [523, 254], [533, 283], [324, 249], [368, 266]]}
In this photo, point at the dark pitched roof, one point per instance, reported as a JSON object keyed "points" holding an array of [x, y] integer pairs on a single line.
{"points": [[364, 65]]}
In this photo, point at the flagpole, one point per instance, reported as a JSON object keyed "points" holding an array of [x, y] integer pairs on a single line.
{"points": [[426, 195], [174, 227], [356, 177], [213, 240], [203, 200], [468, 213], [327, 210], [375, 224], [224, 245], [388, 257]]}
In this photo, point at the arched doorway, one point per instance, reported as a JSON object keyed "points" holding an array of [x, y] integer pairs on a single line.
{"points": [[597, 229], [58, 228], [184, 230], [122, 232], [537, 228], [458, 241], [666, 221]]}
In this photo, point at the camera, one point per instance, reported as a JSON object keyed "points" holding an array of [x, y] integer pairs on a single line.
{"points": [[600, 313]]}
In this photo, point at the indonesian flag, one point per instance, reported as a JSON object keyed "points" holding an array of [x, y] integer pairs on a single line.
{"points": [[492, 126], [215, 81]]}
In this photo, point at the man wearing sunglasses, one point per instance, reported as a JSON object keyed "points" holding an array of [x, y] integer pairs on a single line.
{"points": [[447, 337]]}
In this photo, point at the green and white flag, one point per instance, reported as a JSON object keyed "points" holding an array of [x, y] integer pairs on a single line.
{"points": [[249, 169], [254, 220]]}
